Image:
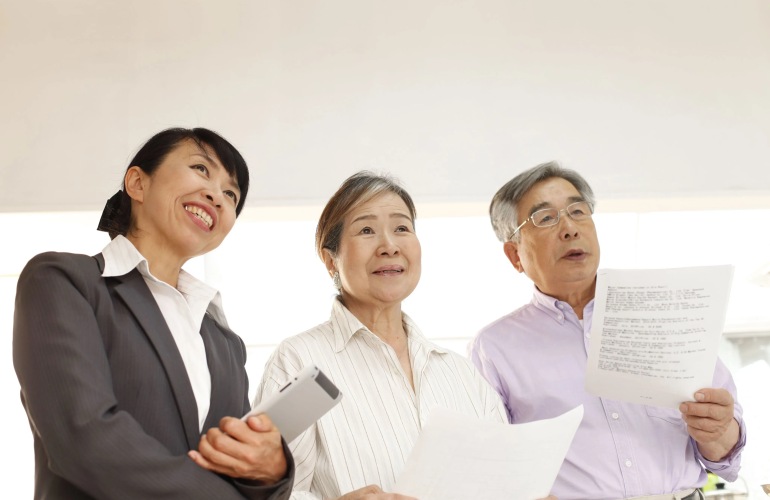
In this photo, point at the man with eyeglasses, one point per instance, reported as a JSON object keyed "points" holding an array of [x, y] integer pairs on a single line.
{"points": [[536, 358]]}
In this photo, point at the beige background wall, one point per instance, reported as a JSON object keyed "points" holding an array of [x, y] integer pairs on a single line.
{"points": [[651, 99]]}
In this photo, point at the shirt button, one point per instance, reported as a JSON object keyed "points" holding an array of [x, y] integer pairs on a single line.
{"points": [[561, 317], [615, 416], [628, 463]]}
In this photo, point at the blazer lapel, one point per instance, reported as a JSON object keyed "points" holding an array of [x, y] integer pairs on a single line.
{"points": [[217, 357], [137, 296]]}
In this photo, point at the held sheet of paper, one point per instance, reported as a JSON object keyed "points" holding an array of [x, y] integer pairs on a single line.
{"points": [[458, 457], [655, 333]]}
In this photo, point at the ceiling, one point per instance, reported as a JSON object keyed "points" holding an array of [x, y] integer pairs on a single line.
{"points": [[650, 100]]}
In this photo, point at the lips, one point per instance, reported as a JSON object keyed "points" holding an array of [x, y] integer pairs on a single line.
{"points": [[389, 270], [574, 253], [202, 214]]}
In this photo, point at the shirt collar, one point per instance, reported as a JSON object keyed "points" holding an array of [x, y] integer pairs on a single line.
{"points": [[554, 306], [348, 326], [121, 257]]}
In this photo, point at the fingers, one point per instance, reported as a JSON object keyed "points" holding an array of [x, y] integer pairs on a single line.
{"points": [[715, 404], [373, 492], [710, 417], [717, 396], [240, 429], [200, 460], [211, 456], [705, 430], [261, 423], [361, 492], [237, 450]]}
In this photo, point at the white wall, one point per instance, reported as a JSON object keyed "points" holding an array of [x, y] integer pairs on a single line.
{"points": [[648, 98]]}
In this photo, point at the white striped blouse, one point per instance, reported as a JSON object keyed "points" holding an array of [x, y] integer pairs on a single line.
{"points": [[368, 436]]}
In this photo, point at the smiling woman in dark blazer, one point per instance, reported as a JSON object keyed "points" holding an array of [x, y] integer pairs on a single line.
{"points": [[131, 378]]}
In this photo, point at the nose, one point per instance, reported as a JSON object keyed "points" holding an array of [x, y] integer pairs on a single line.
{"points": [[388, 245], [215, 199], [568, 229]]}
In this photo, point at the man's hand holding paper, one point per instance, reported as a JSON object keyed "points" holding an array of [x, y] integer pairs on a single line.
{"points": [[711, 423]]}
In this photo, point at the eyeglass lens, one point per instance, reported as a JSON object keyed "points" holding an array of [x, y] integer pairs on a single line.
{"points": [[550, 216]]}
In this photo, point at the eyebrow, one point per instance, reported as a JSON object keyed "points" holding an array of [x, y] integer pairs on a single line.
{"points": [[547, 204], [394, 215], [210, 160]]}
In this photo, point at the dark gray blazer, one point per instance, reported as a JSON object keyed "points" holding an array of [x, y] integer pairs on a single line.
{"points": [[108, 398]]}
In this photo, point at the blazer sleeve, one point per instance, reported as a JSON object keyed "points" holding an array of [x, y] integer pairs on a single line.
{"points": [[66, 384]]}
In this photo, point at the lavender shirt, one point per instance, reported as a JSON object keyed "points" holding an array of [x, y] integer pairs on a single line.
{"points": [[535, 357]]}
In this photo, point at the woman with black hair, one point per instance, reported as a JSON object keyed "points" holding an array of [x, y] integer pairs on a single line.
{"points": [[129, 374]]}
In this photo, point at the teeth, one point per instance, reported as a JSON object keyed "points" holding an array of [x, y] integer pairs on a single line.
{"points": [[200, 213]]}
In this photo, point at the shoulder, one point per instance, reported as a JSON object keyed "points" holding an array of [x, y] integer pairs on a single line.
{"points": [[461, 365], [62, 260], [306, 347], [318, 336], [50, 265], [505, 325], [462, 372]]}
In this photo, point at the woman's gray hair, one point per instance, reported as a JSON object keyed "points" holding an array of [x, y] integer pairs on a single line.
{"points": [[503, 209], [354, 191]]}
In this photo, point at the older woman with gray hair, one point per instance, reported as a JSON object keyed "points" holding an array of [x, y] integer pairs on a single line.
{"points": [[391, 375]]}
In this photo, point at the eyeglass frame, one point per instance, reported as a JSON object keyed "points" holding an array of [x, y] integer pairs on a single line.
{"points": [[558, 216]]}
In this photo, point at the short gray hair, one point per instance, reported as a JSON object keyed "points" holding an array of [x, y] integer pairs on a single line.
{"points": [[503, 209]]}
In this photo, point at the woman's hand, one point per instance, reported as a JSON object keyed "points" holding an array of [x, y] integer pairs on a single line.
{"points": [[373, 492], [247, 450]]}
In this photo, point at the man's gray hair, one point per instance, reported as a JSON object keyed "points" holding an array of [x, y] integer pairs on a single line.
{"points": [[503, 209]]}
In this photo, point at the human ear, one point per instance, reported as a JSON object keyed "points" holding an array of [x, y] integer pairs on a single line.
{"points": [[329, 261], [511, 249], [134, 183]]}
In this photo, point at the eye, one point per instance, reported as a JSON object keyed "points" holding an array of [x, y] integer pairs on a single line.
{"points": [[366, 230], [232, 195], [579, 210], [543, 217], [202, 168], [403, 229]]}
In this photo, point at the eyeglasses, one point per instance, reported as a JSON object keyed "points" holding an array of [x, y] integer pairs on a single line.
{"points": [[578, 211]]}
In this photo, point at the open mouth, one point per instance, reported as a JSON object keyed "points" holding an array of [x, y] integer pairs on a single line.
{"points": [[200, 214]]}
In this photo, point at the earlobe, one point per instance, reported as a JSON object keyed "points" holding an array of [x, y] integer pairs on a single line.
{"points": [[134, 183], [511, 250]]}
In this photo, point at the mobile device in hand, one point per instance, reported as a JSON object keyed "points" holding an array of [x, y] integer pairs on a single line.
{"points": [[301, 401]]}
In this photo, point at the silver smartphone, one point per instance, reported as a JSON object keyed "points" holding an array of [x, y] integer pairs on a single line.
{"points": [[301, 401]]}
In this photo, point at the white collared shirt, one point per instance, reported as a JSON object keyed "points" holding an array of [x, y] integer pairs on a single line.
{"points": [[368, 436], [183, 308]]}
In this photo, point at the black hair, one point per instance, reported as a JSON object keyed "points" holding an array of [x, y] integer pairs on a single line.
{"points": [[116, 218]]}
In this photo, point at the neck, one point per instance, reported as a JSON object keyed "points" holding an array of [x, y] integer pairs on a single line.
{"points": [[384, 321], [161, 259], [577, 297]]}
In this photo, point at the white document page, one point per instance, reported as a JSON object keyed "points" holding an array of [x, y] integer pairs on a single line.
{"points": [[458, 457], [655, 333]]}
